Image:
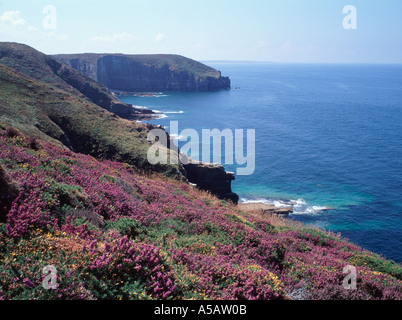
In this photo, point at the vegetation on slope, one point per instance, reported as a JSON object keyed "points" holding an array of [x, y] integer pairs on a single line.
{"points": [[45, 111], [177, 63], [31, 63], [112, 233]]}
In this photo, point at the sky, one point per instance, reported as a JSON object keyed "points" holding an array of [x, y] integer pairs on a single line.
{"points": [[310, 31]]}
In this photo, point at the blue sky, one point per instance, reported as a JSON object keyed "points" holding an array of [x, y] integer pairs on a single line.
{"points": [[258, 30]]}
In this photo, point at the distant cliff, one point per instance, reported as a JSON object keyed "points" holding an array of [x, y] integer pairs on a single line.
{"points": [[142, 73]]}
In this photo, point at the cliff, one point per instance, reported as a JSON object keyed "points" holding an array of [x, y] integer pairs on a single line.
{"points": [[34, 64], [43, 97], [36, 98], [144, 73]]}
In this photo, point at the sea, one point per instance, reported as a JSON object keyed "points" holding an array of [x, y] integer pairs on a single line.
{"points": [[328, 140]]}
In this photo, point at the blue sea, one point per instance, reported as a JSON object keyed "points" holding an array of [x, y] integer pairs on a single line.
{"points": [[327, 136]]}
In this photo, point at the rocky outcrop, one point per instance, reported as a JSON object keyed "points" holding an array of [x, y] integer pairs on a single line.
{"points": [[144, 73], [205, 176], [265, 209], [213, 178]]}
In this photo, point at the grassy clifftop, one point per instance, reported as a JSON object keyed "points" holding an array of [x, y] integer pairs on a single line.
{"points": [[178, 63], [173, 61]]}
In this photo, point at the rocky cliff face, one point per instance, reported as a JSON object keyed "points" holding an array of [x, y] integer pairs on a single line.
{"points": [[142, 73], [213, 178]]}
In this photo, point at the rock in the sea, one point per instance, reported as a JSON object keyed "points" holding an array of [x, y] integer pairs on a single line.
{"points": [[266, 209]]}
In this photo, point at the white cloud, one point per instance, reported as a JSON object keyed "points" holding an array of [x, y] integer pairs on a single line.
{"points": [[118, 37], [13, 27], [13, 18], [159, 37]]}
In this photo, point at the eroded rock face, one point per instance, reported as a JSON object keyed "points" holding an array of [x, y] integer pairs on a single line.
{"points": [[125, 74], [143, 73], [213, 178], [206, 176]]}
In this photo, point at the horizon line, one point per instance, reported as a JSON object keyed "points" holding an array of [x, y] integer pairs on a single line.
{"points": [[296, 62]]}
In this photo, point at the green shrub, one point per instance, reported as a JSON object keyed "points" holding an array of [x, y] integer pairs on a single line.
{"points": [[376, 263], [128, 227]]}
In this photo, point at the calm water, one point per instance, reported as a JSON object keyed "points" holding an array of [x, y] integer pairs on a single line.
{"points": [[326, 136]]}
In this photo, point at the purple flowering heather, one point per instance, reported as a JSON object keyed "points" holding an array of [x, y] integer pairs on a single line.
{"points": [[112, 232]]}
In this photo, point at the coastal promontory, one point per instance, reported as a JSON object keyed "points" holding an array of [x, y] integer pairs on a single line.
{"points": [[144, 73]]}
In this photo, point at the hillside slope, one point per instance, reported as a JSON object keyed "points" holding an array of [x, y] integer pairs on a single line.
{"points": [[41, 96], [32, 63], [114, 234], [51, 113], [77, 194], [144, 73]]}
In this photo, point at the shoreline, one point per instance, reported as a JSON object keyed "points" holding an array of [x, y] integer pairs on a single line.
{"points": [[265, 209], [137, 94], [285, 207], [144, 114]]}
